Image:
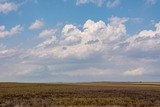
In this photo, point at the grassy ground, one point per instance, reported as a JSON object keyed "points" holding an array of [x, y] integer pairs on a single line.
{"points": [[100, 94]]}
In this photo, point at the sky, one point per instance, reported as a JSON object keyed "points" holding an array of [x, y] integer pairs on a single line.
{"points": [[79, 40]]}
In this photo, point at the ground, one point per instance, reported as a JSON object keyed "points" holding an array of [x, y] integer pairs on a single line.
{"points": [[138, 94]]}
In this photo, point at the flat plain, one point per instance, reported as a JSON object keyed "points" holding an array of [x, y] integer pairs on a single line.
{"points": [[94, 94]]}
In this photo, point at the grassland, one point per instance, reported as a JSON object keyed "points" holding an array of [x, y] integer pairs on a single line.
{"points": [[80, 94]]}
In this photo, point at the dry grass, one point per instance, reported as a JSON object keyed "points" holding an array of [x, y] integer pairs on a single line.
{"points": [[98, 94]]}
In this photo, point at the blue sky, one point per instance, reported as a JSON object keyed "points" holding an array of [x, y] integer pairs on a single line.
{"points": [[79, 40]]}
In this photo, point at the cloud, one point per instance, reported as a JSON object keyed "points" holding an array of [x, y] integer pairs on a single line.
{"points": [[135, 72], [94, 72], [47, 33], [50, 42], [70, 35], [151, 2], [109, 42], [144, 44], [81, 44], [108, 3], [13, 31], [96, 2], [38, 24], [113, 3], [94, 51], [5, 52], [98, 38], [117, 20], [6, 7], [137, 20]]}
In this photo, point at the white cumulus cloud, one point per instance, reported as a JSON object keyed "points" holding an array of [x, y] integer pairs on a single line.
{"points": [[94, 38], [6, 7], [47, 33], [96, 49], [38, 24], [13, 31]]}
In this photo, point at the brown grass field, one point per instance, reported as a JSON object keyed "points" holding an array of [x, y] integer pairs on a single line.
{"points": [[95, 94]]}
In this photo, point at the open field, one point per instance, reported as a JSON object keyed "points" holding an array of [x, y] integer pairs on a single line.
{"points": [[80, 94]]}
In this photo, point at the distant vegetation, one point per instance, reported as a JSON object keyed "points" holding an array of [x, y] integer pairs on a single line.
{"points": [[100, 94]]}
